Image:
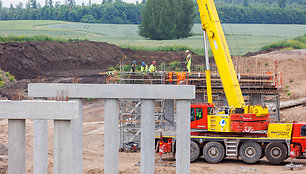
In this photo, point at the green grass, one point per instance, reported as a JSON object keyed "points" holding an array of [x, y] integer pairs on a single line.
{"points": [[35, 38], [295, 43], [241, 38]]}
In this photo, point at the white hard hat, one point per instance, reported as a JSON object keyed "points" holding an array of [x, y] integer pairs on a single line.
{"points": [[187, 51]]}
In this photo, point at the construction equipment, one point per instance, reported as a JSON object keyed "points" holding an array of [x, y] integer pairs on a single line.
{"points": [[237, 130]]}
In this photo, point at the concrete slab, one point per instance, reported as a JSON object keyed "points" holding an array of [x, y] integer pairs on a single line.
{"points": [[36, 109], [113, 91]]}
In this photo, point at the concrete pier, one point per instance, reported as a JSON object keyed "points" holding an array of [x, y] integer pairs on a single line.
{"points": [[16, 146], [147, 164], [40, 154], [18, 111], [111, 136], [77, 139], [147, 93], [62, 147], [182, 136]]}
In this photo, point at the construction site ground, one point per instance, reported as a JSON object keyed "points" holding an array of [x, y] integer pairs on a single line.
{"points": [[52, 59]]}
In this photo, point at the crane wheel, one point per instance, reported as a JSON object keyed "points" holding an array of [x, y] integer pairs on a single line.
{"points": [[194, 151], [250, 152], [213, 152], [276, 153]]}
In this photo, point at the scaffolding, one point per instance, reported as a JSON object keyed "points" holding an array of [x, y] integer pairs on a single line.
{"points": [[258, 87]]}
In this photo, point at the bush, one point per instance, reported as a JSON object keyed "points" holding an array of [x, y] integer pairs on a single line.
{"points": [[296, 43], [12, 78], [2, 84], [7, 74], [1, 78]]}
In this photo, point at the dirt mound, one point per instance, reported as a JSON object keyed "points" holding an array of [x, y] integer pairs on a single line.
{"points": [[31, 59], [292, 65], [262, 52]]}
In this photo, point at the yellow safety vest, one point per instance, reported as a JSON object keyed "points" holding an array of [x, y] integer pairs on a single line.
{"points": [[144, 69], [152, 68]]}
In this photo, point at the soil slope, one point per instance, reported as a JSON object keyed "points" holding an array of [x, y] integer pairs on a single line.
{"points": [[31, 59]]}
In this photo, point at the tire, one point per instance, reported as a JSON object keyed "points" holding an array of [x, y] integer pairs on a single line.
{"points": [[276, 153], [194, 151], [213, 152], [250, 152]]}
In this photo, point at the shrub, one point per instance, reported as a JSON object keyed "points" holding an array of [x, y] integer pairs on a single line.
{"points": [[12, 78], [2, 84], [1, 78], [7, 74]]}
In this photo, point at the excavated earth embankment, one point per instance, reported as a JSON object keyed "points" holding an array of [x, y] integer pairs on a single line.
{"points": [[31, 59]]}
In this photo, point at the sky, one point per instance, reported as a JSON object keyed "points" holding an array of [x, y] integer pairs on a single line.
{"points": [[7, 3]]}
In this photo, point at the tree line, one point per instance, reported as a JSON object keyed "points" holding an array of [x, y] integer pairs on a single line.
{"points": [[260, 13], [118, 12]]}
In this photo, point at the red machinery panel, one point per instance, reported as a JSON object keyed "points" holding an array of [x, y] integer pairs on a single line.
{"points": [[238, 126]]}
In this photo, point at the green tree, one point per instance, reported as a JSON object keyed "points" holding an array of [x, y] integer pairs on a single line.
{"points": [[50, 3], [185, 16], [166, 19], [33, 4], [245, 3], [282, 3]]}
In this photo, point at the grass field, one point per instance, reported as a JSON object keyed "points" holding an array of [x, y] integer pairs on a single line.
{"points": [[241, 38]]}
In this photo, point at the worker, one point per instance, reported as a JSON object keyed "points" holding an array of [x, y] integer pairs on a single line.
{"points": [[133, 66], [188, 60], [144, 68], [152, 67]]}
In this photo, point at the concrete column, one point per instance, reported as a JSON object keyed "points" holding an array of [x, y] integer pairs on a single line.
{"points": [[40, 147], [147, 153], [77, 140], [169, 113], [182, 136], [16, 146], [62, 147], [111, 136]]}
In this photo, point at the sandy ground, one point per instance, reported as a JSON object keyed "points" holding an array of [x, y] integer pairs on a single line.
{"points": [[93, 158], [291, 63]]}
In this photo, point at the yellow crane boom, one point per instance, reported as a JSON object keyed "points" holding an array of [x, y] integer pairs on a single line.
{"points": [[211, 24]]}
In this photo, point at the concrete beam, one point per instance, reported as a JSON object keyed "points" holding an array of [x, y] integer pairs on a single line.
{"points": [[111, 136], [35, 109], [113, 91], [147, 152], [16, 146], [182, 136]]}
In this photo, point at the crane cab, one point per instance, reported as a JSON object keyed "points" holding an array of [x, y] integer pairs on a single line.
{"points": [[198, 115]]}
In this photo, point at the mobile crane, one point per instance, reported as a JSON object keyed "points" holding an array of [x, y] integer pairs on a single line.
{"points": [[239, 130]]}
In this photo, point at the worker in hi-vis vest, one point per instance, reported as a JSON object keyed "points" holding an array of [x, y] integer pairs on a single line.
{"points": [[133, 66], [188, 60], [152, 67], [144, 68]]}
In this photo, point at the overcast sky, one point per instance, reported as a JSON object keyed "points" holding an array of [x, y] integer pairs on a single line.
{"points": [[7, 3]]}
